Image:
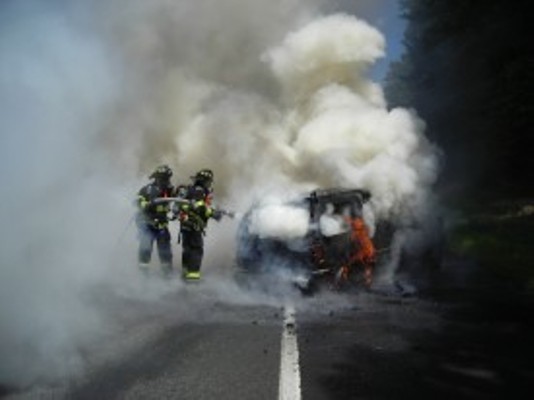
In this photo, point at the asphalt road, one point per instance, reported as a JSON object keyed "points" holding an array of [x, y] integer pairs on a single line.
{"points": [[455, 344]]}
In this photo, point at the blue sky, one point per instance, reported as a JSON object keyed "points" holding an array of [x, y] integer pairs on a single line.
{"points": [[384, 15], [392, 26]]}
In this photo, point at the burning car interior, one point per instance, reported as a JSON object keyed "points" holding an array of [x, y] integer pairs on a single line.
{"points": [[335, 249]]}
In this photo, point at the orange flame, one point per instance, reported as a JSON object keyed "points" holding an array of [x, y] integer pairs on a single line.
{"points": [[365, 253], [362, 254]]}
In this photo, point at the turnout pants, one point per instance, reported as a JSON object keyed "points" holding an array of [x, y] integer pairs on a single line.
{"points": [[147, 236], [192, 250]]}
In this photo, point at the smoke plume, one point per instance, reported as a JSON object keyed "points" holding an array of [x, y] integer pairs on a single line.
{"points": [[272, 96]]}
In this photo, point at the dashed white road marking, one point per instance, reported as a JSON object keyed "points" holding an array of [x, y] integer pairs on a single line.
{"points": [[289, 385]]}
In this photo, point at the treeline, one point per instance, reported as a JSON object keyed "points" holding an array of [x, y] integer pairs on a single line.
{"points": [[468, 71]]}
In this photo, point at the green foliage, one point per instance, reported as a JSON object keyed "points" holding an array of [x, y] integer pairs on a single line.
{"points": [[501, 244], [397, 88], [468, 70]]}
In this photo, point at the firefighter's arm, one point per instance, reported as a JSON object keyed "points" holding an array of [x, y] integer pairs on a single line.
{"points": [[142, 202], [183, 211], [206, 211], [202, 210]]}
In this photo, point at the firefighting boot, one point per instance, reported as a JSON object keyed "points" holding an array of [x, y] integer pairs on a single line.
{"points": [[191, 275]]}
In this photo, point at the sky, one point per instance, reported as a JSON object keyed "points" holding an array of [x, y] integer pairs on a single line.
{"points": [[384, 15], [392, 26]]}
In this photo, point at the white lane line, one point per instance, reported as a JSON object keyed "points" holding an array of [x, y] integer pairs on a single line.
{"points": [[289, 385]]}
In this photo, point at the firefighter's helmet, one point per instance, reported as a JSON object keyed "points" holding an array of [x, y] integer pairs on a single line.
{"points": [[162, 173], [204, 177]]}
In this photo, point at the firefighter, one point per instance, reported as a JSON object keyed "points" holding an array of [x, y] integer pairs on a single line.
{"points": [[153, 219], [194, 216]]}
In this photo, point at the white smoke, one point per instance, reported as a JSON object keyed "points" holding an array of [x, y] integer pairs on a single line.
{"points": [[342, 133], [280, 221], [333, 49], [270, 95], [331, 225]]}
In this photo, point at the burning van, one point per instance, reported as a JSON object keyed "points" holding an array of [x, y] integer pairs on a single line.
{"points": [[318, 239]]}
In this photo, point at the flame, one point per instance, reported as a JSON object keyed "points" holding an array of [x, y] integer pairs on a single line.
{"points": [[362, 254], [364, 250]]}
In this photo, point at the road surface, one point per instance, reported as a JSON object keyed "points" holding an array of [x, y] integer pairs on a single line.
{"points": [[202, 343]]}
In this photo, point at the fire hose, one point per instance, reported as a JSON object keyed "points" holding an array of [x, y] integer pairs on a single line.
{"points": [[182, 201]]}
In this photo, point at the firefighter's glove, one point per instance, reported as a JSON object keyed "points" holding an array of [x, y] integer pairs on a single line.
{"points": [[217, 215]]}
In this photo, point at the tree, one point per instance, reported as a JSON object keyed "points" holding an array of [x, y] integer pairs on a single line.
{"points": [[468, 71]]}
